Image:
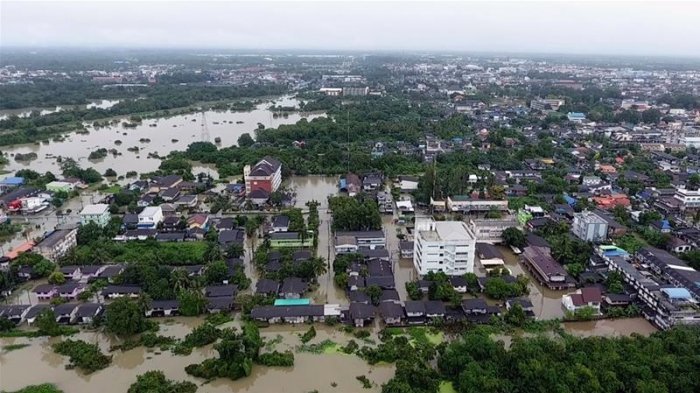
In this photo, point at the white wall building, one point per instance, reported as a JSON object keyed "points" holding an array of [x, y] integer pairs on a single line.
{"points": [[590, 227], [447, 246], [97, 213], [689, 198], [150, 217]]}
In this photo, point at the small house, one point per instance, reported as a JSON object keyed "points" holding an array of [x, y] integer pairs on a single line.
{"points": [[391, 313], [361, 314]]}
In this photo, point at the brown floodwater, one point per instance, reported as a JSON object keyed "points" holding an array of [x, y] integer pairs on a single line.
{"points": [[611, 327], [319, 188], [546, 302], [162, 133], [310, 372]]}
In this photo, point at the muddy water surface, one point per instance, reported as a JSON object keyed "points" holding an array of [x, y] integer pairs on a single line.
{"points": [[165, 135], [38, 364]]}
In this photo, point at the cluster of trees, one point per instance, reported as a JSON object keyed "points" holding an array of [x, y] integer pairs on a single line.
{"points": [[497, 288], [156, 382], [571, 252], [441, 289], [41, 267], [104, 250], [341, 264], [83, 355], [238, 351], [360, 213], [307, 270], [414, 372], [70, 168], [659, 363]]}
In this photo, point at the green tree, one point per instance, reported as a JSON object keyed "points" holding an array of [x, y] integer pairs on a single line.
{"points": [[514, 237], [216, 272], [57, 278], [155, 382], [192, 302], [374, 293], [46, 322], [245, 140], [125, 317]]}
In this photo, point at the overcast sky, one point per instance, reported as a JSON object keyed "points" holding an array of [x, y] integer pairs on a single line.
{"points": [[642, 28]]}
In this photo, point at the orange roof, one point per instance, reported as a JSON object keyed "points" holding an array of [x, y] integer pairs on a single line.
{"points": [[607, 168], [611, 201], [24, 247]]}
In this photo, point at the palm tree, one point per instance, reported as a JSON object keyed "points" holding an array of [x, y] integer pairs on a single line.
{"points": [[179, 280]]}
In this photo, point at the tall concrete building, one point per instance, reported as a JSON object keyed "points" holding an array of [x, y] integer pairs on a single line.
{"points": [[590, 227], [443, 246]]}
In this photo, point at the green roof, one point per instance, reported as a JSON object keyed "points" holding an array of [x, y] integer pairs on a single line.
{"points": [[292, 302]]}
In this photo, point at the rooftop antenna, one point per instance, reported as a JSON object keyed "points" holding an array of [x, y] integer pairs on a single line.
{"points": [[205, 129]]}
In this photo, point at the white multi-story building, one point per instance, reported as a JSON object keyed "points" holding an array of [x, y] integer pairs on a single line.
{"points": [[590, 227], [689, 198], [491, 230], [443, 246]]}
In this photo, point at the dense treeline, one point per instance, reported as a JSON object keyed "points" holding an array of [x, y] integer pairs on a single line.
{"points": [[665, 362], [354, 214]]}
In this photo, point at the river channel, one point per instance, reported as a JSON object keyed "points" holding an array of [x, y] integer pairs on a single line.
{"points": [[164, 135]]}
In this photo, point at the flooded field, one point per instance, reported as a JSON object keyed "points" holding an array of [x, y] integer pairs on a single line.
{"points": [[164, 135], [310, 372]]}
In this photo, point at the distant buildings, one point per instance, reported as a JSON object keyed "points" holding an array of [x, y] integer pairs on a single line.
{"points": [[443, 246], [265, 176], [576, 117], [98, 213], [590, 227]]}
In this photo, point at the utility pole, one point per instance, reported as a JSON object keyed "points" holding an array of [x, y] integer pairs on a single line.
{"points": [[205, 129]]}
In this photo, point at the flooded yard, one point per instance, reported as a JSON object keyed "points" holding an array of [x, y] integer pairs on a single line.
{"points": [[310, 372]]}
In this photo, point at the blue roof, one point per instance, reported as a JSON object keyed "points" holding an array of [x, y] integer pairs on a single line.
{"points": [[676, 293], [665, 224], [569, 200], [12, 181], [343, 183], [292, 302], [575, 114]]}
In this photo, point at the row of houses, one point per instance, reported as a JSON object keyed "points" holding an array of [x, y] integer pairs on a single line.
{"points": [[666, 285], [391, 312]]}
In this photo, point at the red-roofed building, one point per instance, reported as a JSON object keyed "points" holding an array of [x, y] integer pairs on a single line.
{"points": [[610, 201], [607, 169], [585, 297], [266, 175]]}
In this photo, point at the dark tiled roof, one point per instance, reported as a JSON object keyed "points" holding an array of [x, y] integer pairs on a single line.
{"points": [[220, 290]]}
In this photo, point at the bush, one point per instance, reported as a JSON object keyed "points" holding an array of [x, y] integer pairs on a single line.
{"points": [[82, 355], [276, 359], [309, 335]]}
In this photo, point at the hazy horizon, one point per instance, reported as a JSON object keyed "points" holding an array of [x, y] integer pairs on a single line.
{"points": [[665, 29]]}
